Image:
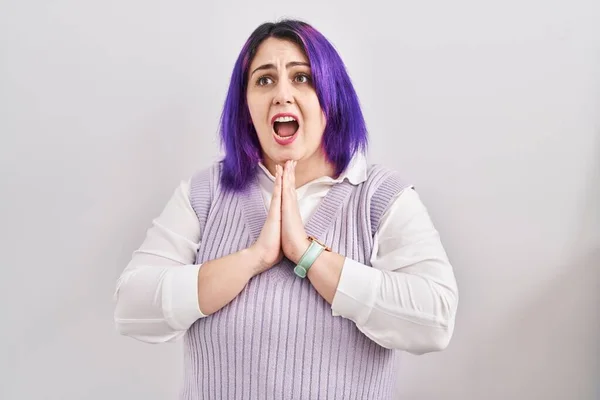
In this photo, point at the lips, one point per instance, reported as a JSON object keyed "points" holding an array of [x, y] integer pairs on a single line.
{"points": [[285, 127]]}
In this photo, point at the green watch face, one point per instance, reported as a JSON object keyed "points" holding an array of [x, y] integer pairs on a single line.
{"points": [[301, 272]]}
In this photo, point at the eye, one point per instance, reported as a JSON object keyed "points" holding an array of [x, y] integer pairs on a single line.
{"points": [[302, 78], [263, 80]]}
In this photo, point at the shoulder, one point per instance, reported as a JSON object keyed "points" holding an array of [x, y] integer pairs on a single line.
{"points": [[381, 189], [205, 183], [207, 176], [381, 178], [203, 187]]}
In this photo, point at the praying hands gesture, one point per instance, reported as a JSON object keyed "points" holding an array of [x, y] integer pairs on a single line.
{"points": [[283, 232]]}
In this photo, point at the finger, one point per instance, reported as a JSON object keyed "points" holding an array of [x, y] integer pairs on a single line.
{"points": [[289, 203], [293, 175], [284, 177], [275, 208], [278, 181], [284, 187], [289, 165], [291, 181]]}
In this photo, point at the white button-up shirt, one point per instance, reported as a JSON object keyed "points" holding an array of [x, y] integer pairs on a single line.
{"points": [[406, 299]]}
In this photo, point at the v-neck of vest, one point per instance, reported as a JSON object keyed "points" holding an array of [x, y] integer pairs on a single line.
{"points": [[255, 210]]}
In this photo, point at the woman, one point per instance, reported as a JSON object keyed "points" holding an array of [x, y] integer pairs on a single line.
{"points": [[293, 269]]}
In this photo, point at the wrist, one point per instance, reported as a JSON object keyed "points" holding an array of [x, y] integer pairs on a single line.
{"points": [[255, 262], [299, 250]]}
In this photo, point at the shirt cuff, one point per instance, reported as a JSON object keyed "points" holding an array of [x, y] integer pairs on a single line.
{"points": [[356, 292], [180, 296]]}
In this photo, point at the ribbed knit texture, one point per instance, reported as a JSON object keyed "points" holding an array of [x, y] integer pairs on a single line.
{"points": [[278, 339]]}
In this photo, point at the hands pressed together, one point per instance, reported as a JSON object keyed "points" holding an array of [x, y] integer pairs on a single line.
{"points": [[283, 232]]}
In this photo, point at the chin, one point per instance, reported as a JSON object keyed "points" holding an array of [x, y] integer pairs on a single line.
{"points": [[282, 157]]}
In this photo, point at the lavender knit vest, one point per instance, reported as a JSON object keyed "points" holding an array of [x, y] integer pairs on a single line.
{"points": [[278, 339]]}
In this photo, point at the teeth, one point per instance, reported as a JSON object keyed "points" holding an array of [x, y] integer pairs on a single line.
{"points": [[283, 137], [285, 119]]}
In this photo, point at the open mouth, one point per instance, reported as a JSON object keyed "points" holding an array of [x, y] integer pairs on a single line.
{"points": [[285, 128]]}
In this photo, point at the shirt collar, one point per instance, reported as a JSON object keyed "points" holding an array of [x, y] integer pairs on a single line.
{"points": [[356, 172]]}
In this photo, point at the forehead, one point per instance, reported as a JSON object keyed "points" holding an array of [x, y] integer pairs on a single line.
{"points": [[273, 50]]}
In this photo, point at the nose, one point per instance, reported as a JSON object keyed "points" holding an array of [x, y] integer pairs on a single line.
{"points": [[283, 93]]}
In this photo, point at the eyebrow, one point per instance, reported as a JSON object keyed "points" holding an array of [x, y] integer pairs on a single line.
{"points": [[288, 65]]}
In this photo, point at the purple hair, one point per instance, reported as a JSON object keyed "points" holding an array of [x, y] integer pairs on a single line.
{"points": [[345, 129]]}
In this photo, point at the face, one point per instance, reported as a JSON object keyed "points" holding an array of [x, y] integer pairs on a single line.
{"points": [[284, 106]]}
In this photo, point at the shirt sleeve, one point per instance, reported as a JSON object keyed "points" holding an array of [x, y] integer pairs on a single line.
{"points": [[408, 299], [157, 294]]}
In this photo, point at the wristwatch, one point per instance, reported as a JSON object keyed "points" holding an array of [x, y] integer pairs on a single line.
{"points": [[310, 255]]}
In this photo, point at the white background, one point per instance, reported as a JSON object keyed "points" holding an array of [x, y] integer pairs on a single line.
{"points": [[491, 108]]}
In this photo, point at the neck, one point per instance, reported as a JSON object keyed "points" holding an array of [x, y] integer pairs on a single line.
{"points": [[306, 170]]}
